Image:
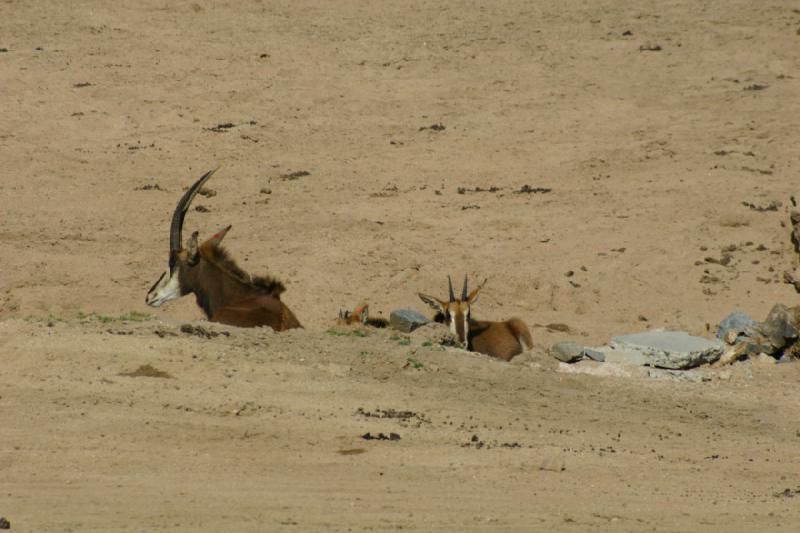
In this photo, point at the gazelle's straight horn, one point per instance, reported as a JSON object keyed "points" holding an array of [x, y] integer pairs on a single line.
{"points": [[450, 286], [464, 290]]}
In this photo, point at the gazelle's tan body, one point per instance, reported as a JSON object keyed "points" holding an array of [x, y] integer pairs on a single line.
{"points": [[503, 340], [226, 293]]}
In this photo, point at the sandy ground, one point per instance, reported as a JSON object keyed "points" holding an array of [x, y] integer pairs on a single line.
{"points": [[648, 124]]}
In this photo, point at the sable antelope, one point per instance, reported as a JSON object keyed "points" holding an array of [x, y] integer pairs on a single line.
{"points": [[503, 340], [226, 293]]}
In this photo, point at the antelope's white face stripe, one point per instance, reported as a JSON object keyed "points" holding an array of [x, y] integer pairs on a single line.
{"points": [[455, 315], [165, 289]]}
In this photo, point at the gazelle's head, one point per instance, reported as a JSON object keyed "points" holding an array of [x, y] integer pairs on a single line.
{"points": [[359, 315], [456, 312], [174, 282]]}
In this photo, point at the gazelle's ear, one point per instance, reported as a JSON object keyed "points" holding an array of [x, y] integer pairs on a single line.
{"points": [[435, 303], [473, 296], [191, 249], [216, 239]]}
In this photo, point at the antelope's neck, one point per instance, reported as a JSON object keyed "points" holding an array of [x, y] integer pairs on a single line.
{"points": [[213, 287]]}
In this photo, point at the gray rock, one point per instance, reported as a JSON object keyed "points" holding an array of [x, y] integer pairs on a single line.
{"points": [[779, 327], [738, 322], [595, 355], [669, 349], [406, 320], [567, 351]]}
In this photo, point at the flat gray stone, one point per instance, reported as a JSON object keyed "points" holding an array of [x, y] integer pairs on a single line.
{"points": [[669, 349], [595, 355], [406, 320], [618, 356], [567, 351]]}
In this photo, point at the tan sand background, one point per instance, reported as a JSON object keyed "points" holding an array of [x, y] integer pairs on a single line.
{"points": [[651, 122]]}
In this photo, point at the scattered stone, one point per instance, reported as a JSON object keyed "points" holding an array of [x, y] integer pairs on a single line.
{"points": [[208, 193], [464, 190], [434, 127], [147, 371], [763, 358], [741, 350], [380, 436], [779, 326], [650, 48], [567, 351], [200, 331], [772, 206], [794, 217], [527, 189], [405, 417], [406, 320], [222, 128], [149, 187], [594, 355], [737, 322], [291, 176], [756, 87], [669, 349], [792, 279], [82, 84]]}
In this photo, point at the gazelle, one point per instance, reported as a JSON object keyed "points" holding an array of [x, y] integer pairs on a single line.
{"points": [[226, 293], [503, 340], [360, 316]]}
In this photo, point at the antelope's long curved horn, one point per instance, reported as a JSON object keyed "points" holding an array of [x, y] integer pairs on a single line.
{"points": [[180, 211], [464, 290], [450, 286]]}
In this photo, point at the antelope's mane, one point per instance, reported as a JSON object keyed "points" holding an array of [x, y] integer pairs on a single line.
{"points": [[220, 257]]}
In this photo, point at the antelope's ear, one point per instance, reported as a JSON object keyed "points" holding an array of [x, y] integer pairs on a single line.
{"points": [[216, 239], [194, 255], [435, 303], [473, 296]]}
